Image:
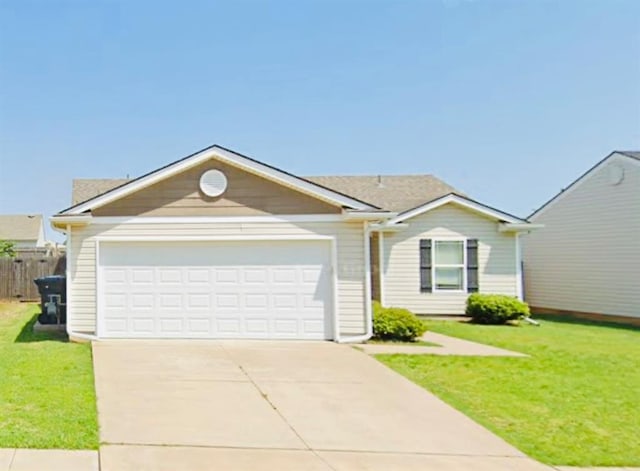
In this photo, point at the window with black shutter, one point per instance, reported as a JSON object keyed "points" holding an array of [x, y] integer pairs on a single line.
{"points": [[472, 265], [449, 265], [426, 285]]}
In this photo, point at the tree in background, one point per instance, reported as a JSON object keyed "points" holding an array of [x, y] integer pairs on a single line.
{"points": [[7, 249]]}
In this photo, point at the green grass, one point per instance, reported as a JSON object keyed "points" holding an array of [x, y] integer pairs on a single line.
{"points": [[47, 397], [575, 401]]}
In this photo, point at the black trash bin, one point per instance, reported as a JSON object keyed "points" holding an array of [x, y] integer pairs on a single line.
{"points": [[53, 299]]}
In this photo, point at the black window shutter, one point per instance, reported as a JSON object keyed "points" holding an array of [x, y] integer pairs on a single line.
{"points": [[472, 265], [426, 285]]}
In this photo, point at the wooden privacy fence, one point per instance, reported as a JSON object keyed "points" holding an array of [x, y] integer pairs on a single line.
{"points": [[17, 274]]}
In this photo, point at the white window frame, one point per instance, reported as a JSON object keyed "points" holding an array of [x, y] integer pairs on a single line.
{"points": [[434, 265]]}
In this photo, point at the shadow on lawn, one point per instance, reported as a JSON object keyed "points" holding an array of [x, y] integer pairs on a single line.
{"points": [[27, 334], [568, 319]]}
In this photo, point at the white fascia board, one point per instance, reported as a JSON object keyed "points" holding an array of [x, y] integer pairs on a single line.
{"points": [[519, 227], [388, 228], [231, 158], [613, 157], [368, 215], [80, 219], [117, 220], [459, 200], [213, 238]]}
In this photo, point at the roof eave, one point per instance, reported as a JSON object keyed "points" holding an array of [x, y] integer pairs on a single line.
{"points": [[350, 215], [519, 227]]}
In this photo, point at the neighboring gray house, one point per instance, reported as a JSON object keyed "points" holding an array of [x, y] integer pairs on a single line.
{"points": [[587, 258], [24, 230]]}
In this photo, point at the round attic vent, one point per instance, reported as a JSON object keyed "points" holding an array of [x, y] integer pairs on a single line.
{"points": [[213, 183], [616, 174]]}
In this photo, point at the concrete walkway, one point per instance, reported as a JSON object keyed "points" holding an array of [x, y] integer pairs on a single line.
{"points": [[251, 405], [447, 346], [20, 459]]}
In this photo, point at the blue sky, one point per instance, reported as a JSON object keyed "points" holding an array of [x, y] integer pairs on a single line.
{"points": [[509, 101]]}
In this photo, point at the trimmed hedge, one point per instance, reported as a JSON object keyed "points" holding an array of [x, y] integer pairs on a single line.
{"points": [[495, 308], [393, 323]]}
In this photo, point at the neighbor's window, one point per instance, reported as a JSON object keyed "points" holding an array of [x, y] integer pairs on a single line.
{"points": [[448, 264]]}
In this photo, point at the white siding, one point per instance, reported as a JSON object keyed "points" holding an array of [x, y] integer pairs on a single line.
{"points": [[496, 259], [350, 255], [587, 257]]}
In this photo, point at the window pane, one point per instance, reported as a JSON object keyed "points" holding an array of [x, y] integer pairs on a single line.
{"points": [[449, 252], [449, 278]]}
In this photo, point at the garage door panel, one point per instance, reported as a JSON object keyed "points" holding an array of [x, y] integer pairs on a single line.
{"points": [[198, 301], [143, 325], [141, 302], [142, 276], [199, 325], [169, 301], [227, 275], [254, 275], [116, 302], [197, 276], [313, 326], [116, 275], [169, 276], [216, 290], [171, 325], [116, 325]]}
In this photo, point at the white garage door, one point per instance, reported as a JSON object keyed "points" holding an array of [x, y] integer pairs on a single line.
{"points": [[247, 289]]}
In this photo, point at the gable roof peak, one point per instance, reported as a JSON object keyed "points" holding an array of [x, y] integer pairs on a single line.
{"points": [[232, 158]]}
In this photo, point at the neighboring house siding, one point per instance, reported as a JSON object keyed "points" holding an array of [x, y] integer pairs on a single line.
{"points": [[25, 244], [401, 274], [587, 257], [350, 256], [246, 195]]}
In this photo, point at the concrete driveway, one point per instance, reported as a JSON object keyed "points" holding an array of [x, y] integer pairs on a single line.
{"points": [[264, 405]]}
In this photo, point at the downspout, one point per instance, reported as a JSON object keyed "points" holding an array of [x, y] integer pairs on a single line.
{"points": [[73, 336], [368, 319], [519, 284]]}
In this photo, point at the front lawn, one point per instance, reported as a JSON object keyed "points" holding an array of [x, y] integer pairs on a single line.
{"points": [[47, 398], [575, 401]]}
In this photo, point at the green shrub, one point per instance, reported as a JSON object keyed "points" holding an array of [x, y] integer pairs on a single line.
{"points": [[395, 323], [495, 308], [377, 307]]}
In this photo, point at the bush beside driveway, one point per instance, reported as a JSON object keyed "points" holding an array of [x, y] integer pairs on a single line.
{"points": [[47, 397]]}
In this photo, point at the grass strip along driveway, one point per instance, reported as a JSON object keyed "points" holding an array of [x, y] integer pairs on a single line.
{"points": [[575, 401], [47, 397]]}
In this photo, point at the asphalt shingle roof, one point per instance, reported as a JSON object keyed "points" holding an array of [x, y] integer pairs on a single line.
{"points": [[630, 153], [20, 226], [87, 188], [390, 192]]}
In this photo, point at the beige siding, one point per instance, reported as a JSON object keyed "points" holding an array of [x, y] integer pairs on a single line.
{"points": [[587, 258], [246, 195], [401, 276], [350, 255]]}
